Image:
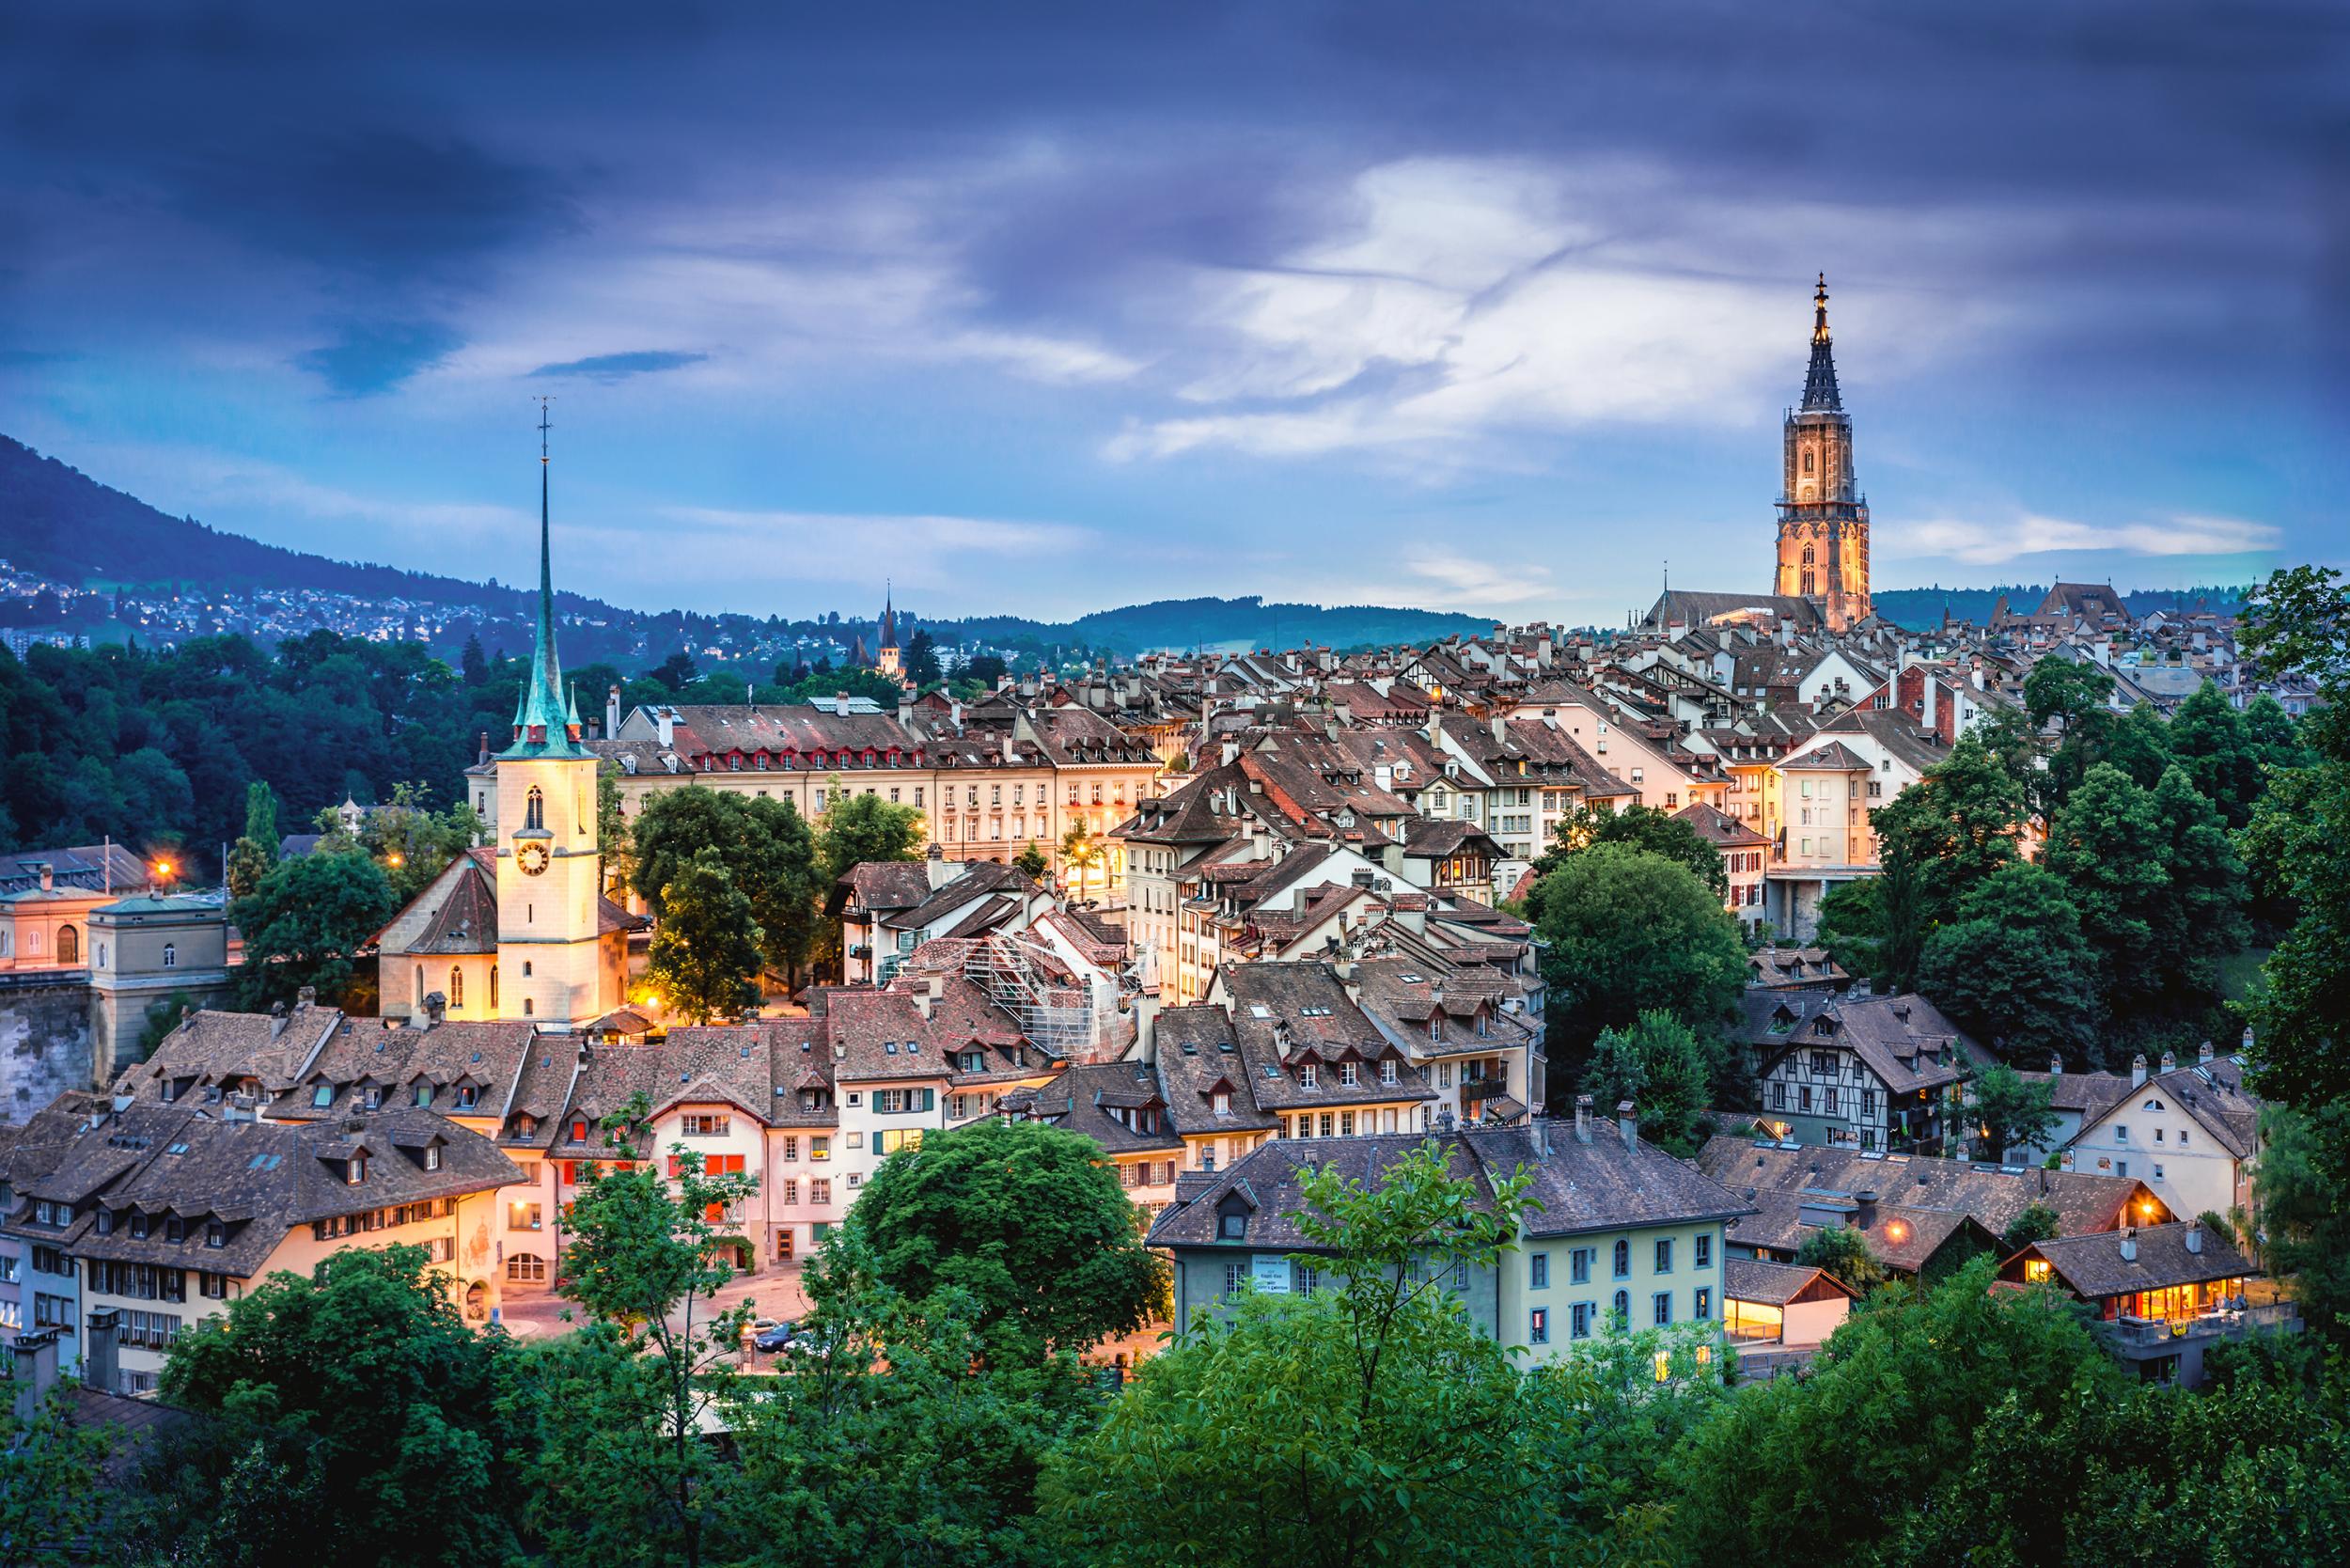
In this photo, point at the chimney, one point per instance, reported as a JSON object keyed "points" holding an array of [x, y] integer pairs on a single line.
{"points": [[1930, 685], [2056, 1064], [2194, 1237], [2064, 1160], [612, 713], [938, 869], [1582, 1118], [1628, 1124], [435, 1009], [276, 1019], [2138, 1070], [1501, 729], [48, 877], [2170, 1061], [1541, 1125], [2129, 1246], [306, 997], [2203, 1053], [482, 745], [33, 1361], [666, 719], [101, 1360]]}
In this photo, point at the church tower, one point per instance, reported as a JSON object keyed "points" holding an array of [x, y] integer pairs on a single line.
{"points": [[551, 964], [885, 656], [1823, 519]]}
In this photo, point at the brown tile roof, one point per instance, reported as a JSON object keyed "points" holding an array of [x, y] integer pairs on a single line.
{"points": [[214, 1050], [1082, 1099], [467, 1066], [1906, 1040], [1995, 1197], [1776, 1284], [1197, 1055], [2093, 1267]]}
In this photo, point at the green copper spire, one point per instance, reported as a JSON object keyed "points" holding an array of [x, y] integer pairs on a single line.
{"points": [[545, 725]]}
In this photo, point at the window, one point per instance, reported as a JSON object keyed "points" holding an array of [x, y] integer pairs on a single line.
{"points": [[2120, 1132], [1623, 1306], [1538, 1326], [535, 809], [1704, 1305], [1538, 1271], [1624, 1260], [322, 1096], [819, 1190], [1347, 1075], [432, 1156], [1231, 1226], [522, 1216], [706, 1126], [819, 1148], [424, 1094], [355, 1169], [1705, 1249], [1579, 1321], [524, 1269], [1664, 1254], [214, 1286], [171, 955], [456, 986], [215, 1233], [1579, 1266], [1663, 1303]]}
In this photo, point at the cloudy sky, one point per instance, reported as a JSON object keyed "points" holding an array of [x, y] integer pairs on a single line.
{"points": [[1047, 308]]}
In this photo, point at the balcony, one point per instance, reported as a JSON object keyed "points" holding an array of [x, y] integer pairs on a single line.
{"points": [[2133, 1338]]}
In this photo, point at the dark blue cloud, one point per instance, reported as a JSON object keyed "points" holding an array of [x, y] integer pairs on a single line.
{"points": [[376, 356], [614, 367]]}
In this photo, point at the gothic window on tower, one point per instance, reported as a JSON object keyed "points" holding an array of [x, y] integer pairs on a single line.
{"points": [[1807, 462], [535, 809]]}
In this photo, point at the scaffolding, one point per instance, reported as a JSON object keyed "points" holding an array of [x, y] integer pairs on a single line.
{"points": [[1054, 1005]]}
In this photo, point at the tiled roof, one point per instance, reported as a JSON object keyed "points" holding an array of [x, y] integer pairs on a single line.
{"points": [[2094, 1265], [2081, 1201], [1774, 1284]]}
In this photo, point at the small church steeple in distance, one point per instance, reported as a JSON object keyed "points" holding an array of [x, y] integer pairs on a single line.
{"points": [[886, 652]]}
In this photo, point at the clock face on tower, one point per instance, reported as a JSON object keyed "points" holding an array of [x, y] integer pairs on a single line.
{"points": [[531, 857]]}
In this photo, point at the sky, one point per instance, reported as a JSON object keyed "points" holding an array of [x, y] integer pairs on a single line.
{"points": [[1040, 309]]}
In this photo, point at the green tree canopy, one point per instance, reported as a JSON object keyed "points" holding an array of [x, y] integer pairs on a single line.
{"points": [[1660, 1067], [1843, 1252], [306, 924], [2009, 1109], [1028, 1221], [1937, 841], [2014, 968], [362, 1387], [1647, 827], [412, 842], [1629, 931], [705, 955], [765, 846]]}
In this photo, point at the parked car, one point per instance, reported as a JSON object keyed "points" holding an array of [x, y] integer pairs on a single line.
{"points": [[774, 1336]]}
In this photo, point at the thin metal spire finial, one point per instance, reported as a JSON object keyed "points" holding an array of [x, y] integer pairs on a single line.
{"points": [[544, 424]]}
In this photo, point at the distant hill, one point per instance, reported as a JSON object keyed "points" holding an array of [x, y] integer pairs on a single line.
{"points": [[1921, 609], [60, 523]]}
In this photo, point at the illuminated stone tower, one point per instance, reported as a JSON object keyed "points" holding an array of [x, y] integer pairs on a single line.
{"points": [[551, 965], [1823, 519], [886, 657]]}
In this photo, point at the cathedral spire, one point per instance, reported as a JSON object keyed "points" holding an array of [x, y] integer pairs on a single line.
{"points": [[545, 724], [1819, 384]]}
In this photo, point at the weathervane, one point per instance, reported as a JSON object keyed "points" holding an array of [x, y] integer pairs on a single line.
{"points": [[544, 424]]}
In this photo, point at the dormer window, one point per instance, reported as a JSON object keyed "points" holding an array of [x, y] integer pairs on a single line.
{"points": [[355, 1169], [138, 1226], [579, 1130], [322, 1096], [1221, 1102], [1233, 1227], [424, 1094], [215, 1234], [106, 1222], [1309, 1076], [175, 1229], [432, 1156], [467, 1094]]}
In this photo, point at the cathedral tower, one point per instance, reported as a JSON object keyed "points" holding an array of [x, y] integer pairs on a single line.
{"points": [[551, 966], [1823, 519], [885, 656]]}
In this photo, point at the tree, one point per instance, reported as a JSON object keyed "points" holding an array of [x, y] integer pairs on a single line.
{"points": [[856, 829], [1843, 1252], [473, 662], [162, 1018], [1895, 1405], [765, 846], [1627, 930], [705, 953], [2008, 1110], [2213, 741], [922, 659], [364, 1386], [1852, 927], [1646, 827], [636, 1482], [1657, 1065], [1028, 1221], [676, 671], [1031, 862], [412, 842], [1938, 840], [255, 851], [52, 1495], [2038, 1222], [2072, 700], [306, 923], [2013, 970], [1080, 853], [1367, 1421], [986, 668]]}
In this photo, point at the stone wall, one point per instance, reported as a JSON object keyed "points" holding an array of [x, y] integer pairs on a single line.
{"points": [[46, 1042]]}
